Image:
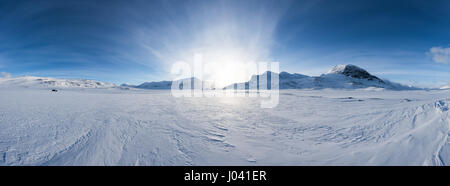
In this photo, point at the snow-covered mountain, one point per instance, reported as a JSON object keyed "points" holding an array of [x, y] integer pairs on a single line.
{"points": [[354, 72], [445, 87], [339, 77], [155, 85], [165, 84], [44, 82]]}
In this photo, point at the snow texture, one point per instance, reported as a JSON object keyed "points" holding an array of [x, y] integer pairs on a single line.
{"points": [[150, 127]]}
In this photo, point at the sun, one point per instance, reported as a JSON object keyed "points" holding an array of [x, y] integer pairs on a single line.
{"points": [[225, 67]]}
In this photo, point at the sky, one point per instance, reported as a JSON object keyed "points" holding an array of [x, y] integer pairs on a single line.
{"points": [[131, 41]]}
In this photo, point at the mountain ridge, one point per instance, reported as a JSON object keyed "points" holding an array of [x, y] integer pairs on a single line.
{"points": [[339, 77], [47, 82]]}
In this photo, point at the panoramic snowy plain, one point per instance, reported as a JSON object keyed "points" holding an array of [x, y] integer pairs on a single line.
{"points": [[114, 126]]}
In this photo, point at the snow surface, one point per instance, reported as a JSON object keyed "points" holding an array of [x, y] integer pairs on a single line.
{"points": [[150, 127]]}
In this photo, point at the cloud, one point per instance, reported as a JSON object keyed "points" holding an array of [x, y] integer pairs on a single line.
{"points": [[5, 75], [440, 55]]}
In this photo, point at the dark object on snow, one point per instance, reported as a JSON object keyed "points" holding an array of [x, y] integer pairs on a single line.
{"points": [[54, 90]]}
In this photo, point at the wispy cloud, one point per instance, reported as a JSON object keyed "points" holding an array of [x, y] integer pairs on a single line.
{"points": [[440, 54], [5, 75]]}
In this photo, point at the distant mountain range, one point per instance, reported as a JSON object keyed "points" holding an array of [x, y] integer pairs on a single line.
{"points": [[339, 77], [44, 82], [165, 84]]}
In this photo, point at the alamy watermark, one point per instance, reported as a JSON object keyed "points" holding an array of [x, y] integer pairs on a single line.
{"points": [[190, 82]]}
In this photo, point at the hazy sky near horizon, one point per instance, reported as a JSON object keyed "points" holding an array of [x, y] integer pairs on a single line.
{"points": [[406, 41]]}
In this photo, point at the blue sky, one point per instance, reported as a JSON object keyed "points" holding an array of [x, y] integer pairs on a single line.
{"points": [[135, 41]]}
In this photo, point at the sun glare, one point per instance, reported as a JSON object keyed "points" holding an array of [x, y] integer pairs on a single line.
{"points": [[225, 67]]}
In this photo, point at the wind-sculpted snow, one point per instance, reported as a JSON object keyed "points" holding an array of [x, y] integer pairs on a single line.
{"points": [[442, 106], [150, 127]]}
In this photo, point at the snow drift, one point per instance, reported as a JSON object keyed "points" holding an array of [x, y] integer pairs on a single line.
{"points": [[150, 127]]}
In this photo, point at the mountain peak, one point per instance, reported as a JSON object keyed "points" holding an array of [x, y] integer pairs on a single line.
{"points": [[353, 71]]}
